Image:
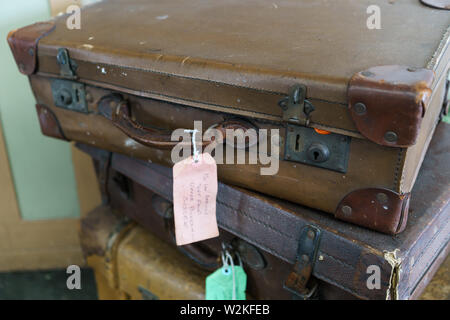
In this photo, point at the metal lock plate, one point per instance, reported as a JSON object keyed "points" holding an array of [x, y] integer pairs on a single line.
{"points": [[69, 95], [328, 151]]}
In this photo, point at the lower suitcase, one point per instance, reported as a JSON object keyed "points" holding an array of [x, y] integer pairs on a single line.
{"points": [[131, 263], [273, 246]]}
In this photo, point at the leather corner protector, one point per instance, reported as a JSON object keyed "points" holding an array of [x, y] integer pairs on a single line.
{"points": [[437, 4], [24, 42], [387, 103], [375, 208], [49, 123]]}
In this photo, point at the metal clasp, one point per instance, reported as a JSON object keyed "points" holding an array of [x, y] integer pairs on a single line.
{"points": [[295, 106], [299, 281], [66, 65]]}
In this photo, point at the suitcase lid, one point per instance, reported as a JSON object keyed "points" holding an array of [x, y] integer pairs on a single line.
{"points": [[243, 57]]}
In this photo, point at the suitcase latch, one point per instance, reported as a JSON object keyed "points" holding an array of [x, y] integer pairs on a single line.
{"points": [[295, 106], [299, 281], [67, 66]]}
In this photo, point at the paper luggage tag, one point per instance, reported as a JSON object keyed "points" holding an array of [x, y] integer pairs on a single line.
{"points": [[219, 285], [194, 199], [228, 282]]}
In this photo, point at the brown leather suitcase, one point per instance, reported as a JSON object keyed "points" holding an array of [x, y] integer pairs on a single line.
{"points": [[130, 263], [273, 236], [356, 107]]}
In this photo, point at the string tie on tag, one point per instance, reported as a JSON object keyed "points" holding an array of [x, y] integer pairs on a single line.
{"points": [[196, 152]]}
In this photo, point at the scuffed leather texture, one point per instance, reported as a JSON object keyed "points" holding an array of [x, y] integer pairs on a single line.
{"points": [[369, 164], [49, 123], [376, 209], [390, 99], [24, 44], [242, 58], [346, 250], [439, 4]]}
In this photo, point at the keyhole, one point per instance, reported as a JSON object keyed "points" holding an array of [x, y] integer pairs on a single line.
{"points": [[77, 95], [297, 142], [316, 155]]}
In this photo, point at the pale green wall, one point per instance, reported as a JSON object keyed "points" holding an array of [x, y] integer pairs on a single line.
{"points": [[41, 167]]}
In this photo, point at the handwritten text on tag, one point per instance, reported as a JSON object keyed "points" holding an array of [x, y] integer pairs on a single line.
{"points": [[194, 199]]}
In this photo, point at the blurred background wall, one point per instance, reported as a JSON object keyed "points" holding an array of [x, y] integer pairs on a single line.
{"points": [[45, 184]]}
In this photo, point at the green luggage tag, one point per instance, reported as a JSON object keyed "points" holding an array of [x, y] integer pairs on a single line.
{"points": [[228, 282]]}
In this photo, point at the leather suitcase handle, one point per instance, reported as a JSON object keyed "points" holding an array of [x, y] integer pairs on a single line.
{"points": [[116, 109]]}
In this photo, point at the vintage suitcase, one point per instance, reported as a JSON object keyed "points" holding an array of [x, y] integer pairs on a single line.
{"points": [[273, 236], [355, 106], [131, 263]]}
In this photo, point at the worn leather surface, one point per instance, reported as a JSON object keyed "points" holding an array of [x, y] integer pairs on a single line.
{"points": [[24, 44], [377, 209], [266, 272], [49, 123], [346, 250], [391, 99], [155, 55], [198, 40], [369, 164]]}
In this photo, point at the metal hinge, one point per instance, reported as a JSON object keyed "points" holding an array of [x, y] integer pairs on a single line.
{"points": [[67, 66], [299, 281], [295, 106]]}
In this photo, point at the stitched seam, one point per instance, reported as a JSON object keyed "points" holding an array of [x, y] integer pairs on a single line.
{"points": [[260, 244], [265, 225], [439, 50], [340, 286], [427, 245], [338, 260], [398, 182], [412, 288], [204, 80]]}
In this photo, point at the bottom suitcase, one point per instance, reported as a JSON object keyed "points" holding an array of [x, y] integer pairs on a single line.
{"points": [[273, 236], [131, 263]]}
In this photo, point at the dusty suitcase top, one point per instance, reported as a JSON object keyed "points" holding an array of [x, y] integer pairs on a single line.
{"points": [[262, 45]]}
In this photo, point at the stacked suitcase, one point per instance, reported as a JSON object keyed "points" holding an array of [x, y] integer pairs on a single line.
{"points": [[348, 113]]}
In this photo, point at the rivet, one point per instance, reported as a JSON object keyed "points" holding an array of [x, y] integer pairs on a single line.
{"points": [[89, 97], [360, 108], [390, 136], [113, 104], [367, 74], [311, 234], [382, 198], [346, 210]]}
